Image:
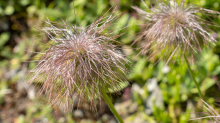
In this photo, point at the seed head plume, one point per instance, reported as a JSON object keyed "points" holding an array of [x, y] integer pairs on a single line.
{"points": [[79, 62], [175, 29]]}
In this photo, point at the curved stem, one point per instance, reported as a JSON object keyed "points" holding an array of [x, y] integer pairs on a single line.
{"points": [[110, 105], [193, 77]]}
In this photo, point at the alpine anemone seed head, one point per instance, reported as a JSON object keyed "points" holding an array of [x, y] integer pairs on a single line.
{"points": [[79, 62], [175, 29]]}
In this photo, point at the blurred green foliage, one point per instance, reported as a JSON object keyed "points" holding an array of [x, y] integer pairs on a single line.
{"points": [[19, 39]]}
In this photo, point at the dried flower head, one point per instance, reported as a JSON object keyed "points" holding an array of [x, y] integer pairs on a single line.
{"points": [[79, 62], [175, 29]]}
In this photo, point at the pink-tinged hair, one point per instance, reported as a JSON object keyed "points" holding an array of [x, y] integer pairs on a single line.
{"points": [[174, 29], [80, 61]]}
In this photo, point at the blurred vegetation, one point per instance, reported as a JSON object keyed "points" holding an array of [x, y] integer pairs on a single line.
{"points": [[157, 93]]}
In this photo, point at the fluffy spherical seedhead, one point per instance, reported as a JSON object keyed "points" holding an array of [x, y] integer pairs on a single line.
{"points": [[175, 29], [79, 62]]}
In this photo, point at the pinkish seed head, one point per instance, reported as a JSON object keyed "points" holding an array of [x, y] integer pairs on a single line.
{"points": [[79, 62], [175, 29]]}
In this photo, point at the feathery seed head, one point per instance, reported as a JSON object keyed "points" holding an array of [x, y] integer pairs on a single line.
{"points": [[175, 29], [80, 62]]}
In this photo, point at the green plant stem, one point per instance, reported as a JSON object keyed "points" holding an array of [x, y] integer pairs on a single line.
{"points": [[110, 105], [193, 77]]}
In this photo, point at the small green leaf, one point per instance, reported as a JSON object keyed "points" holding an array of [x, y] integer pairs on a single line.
{"points": [[4, 37], [9, 10], [207, 83], [24, 2], [216, 71]]}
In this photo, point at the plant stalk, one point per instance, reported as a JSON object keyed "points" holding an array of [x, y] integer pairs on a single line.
{"points": [[110, 105], [193, 77]]}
